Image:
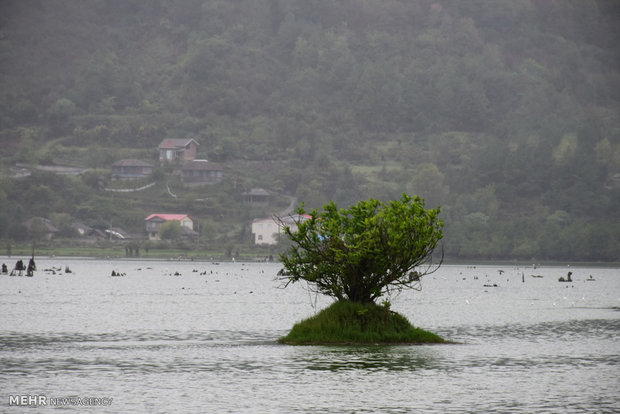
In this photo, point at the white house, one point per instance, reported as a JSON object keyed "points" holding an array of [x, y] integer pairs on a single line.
{"points": [[268, 230]]}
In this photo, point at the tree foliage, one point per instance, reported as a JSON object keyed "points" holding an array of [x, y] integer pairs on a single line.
{"points": [[170, 230], [365, 251]]}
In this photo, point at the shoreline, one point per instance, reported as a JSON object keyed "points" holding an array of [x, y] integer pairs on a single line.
{"points": [[259, 258]]}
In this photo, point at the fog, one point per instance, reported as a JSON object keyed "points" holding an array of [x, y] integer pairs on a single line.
{"points": [[505, 114]]}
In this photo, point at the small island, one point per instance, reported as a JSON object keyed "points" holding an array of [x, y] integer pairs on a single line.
{"points": [[351, 323], [357, 256]]}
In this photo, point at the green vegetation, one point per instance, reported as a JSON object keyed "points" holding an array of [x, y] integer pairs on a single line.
{"points": [[505, 113], [346, 322], [357, 255], [366, 251], [110, 249], [170, 230]]}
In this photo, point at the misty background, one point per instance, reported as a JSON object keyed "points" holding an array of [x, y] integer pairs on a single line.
{"points": [[506, 113]]}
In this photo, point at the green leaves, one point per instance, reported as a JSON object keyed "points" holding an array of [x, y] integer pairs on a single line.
{"points": [[362, 252]]}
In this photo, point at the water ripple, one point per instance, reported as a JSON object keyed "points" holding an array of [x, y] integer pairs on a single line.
{"points": [[19, 340], [195, 344], [538, 332]]}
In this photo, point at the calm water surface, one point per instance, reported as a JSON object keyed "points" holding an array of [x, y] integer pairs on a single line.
{"points": [[205, 341]]}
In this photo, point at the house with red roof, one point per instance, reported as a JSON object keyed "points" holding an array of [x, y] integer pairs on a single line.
{"points": [[182, 149], [154, 222]]}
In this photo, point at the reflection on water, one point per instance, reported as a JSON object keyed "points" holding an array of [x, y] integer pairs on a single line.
{"points": [[207, 343], [367, 358]]}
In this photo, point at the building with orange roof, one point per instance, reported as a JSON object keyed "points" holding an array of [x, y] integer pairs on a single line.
{"points": [[154, 222]]}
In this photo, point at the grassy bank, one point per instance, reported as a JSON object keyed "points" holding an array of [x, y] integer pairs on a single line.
{"points": [[347, 322], [117, 251]]}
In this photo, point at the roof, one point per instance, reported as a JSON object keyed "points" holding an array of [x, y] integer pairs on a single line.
{"points": [[290, 219], [201, 165], [167, 217], [47, 224], [117, 233], [176, 143], [131, 163], [264, 220], [295, 218], [257, 192]]}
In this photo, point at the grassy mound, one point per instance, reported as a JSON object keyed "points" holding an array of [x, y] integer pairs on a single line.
{"points": [[347, 322]]}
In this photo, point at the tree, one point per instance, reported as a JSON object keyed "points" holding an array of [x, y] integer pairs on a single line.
{"points": [[59, 114], [29, 138], [428, 180], [365, 251], [170, 230], [37, 229]]}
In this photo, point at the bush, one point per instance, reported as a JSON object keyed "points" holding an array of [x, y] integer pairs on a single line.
{"points": [[347, 322]]}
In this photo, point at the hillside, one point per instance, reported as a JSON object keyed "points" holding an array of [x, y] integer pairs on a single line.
{"points": [[504, 113]]}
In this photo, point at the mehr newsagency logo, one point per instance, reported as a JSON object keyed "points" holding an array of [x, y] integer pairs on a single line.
{"points": [[36, 400]]}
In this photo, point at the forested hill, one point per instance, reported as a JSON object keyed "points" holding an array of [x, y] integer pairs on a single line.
{"points": [[504, 112]]}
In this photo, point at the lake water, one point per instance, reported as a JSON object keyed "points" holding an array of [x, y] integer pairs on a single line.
{"points": [[152, 342]]}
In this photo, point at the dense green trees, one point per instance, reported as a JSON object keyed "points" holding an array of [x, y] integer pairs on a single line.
{"points": [[509, 109]]}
